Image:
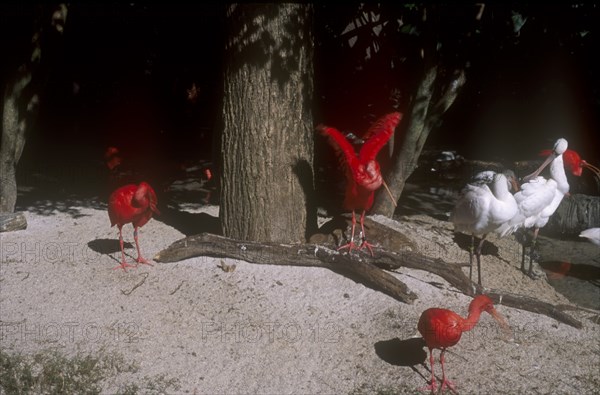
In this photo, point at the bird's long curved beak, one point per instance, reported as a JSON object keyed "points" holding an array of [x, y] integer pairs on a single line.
{"points": [[154, 208], [506, 331], [591, 168], [536, 173], [389, 193]]}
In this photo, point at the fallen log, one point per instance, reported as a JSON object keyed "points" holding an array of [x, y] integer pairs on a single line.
{"points": [[527, 303], [359, 268], [574, 214], [10, 222], [362, 268], [450, 272], [458, 279]]}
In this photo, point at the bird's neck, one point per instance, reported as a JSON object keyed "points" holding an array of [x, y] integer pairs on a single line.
{"points": [[471, 320], [557, 171], [500, 189], [369, 176]]}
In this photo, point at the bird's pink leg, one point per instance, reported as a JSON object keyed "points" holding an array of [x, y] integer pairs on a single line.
{"points": [[124, 265], [140, 258], [445, 383], [364, 243], [433, 385], [351, 244]]}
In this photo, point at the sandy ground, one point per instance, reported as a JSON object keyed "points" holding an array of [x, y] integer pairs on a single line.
{"points": [[265, 329]]}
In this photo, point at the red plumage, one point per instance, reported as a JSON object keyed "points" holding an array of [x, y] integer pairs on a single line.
{"points": [[133, 204], [574, 162], [362, 171], [378, 135], [442, 328]]}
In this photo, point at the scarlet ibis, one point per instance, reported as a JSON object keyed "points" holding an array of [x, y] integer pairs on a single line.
{"points": [[133, 204], [539, 198], [574, 162], [442, 328], [363, 173], [481, 209], [592, 234]]}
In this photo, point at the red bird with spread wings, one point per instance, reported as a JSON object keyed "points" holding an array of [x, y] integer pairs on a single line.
{"points": [[442, 328], [362, 171], [132, 204]]}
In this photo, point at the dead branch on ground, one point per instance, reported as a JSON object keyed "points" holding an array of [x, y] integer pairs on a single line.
{"points": [[361, 267]]}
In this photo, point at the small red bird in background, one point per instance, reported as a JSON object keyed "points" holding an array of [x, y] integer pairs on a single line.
{"points": [[362, 171], [119, 169], [443, 328], [112, 157], [132, 204]]}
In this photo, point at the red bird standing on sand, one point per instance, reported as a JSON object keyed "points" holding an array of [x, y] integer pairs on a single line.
{"points": [[362, 171], [135, 204], [442, 328]]}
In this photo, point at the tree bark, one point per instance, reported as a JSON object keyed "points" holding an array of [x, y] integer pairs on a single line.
{"points": [[365, 271], [20, 105], [10, 222], [432, 100], [575, 213], [267, 141], [15, 120]]}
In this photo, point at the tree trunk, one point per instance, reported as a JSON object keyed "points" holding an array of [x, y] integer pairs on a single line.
{"points": [[267, 141], [432, 100], [20, 104], [17, 112]]}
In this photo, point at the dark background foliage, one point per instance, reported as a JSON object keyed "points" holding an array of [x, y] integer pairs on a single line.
{"points": [[121, 73]]}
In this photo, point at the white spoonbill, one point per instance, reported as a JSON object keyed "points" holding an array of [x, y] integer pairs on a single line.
{"points": [[539, 198], [592, 234], [481, 209]]}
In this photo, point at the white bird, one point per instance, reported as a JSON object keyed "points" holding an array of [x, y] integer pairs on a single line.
{"points": [[481, 209], [539, 198], [592, 234]]}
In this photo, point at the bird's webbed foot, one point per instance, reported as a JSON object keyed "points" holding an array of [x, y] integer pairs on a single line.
{"points": [[368, 245], [431, 387], [141, 260], [351, 245], [534, 256], [124, 265], [447, 384]]}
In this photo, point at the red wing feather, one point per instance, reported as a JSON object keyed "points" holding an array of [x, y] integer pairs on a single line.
{"points": [[378, 135], [545, 152], [342, 146]]}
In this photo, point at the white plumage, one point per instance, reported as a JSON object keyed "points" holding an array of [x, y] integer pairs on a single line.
{"points": [[592, 234], [539, 198], [480, 210]]}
